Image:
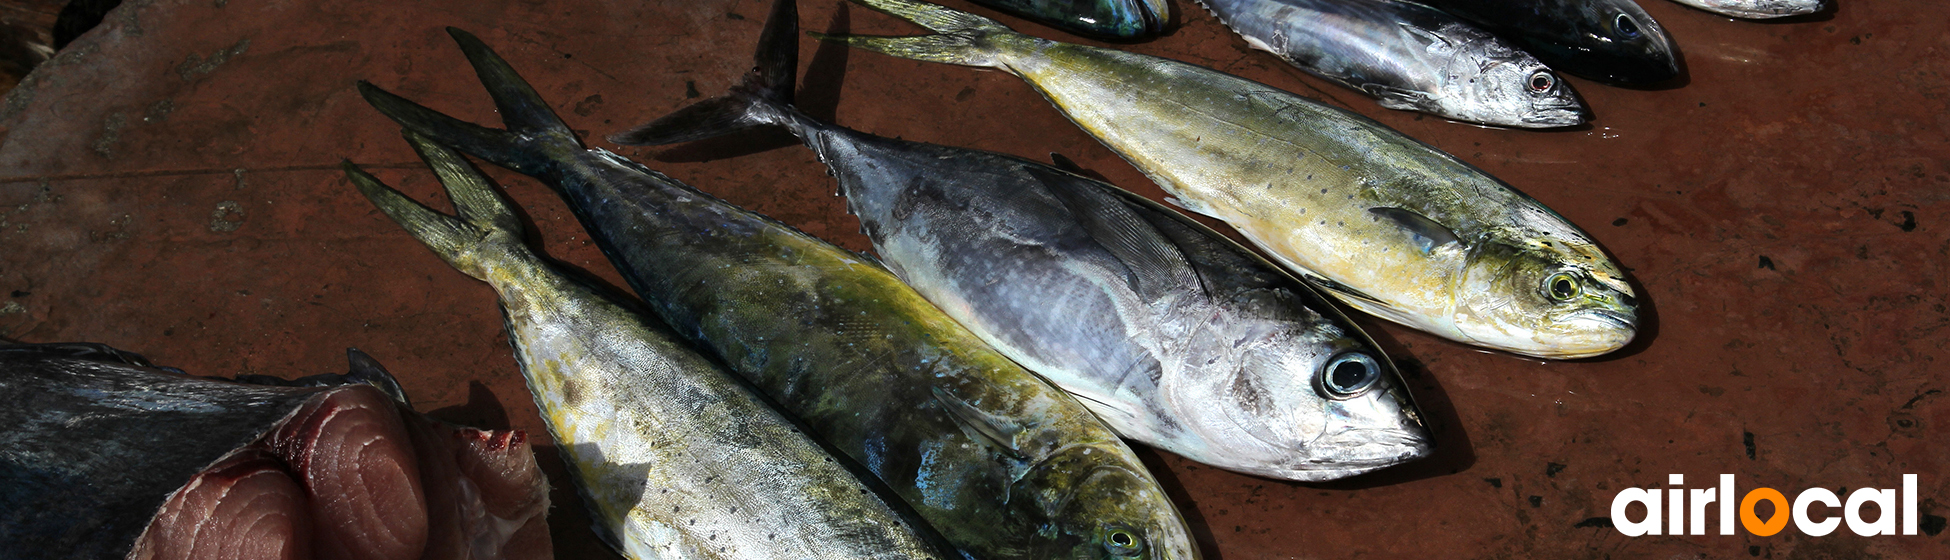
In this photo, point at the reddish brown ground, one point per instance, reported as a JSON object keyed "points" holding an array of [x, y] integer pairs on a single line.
{"points": [[168, 186]]}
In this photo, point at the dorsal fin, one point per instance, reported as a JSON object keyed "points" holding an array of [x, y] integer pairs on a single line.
{"points": [[1154, 267], [994, 431], [1426, 233]]}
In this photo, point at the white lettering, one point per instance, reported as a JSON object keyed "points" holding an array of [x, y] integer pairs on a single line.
{"points": [[1811, 527], [1885, 501], [1648, 498], [1726, 504], [1909, 504], [1701, 497]]}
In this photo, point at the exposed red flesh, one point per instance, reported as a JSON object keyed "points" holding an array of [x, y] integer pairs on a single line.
{"points": [[243, 508], [357, 463], [354, 475]]}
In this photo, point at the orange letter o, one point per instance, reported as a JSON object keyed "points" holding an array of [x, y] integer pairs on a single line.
{"points": [[1752, 522]]}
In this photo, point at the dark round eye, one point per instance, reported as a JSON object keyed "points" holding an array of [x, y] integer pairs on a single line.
{"points": [[1120, 541], [1542, 81], [1562, 287], [1348, 375], [1626, 26]]}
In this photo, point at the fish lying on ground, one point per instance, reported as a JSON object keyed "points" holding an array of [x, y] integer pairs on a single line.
{"points": [[1386, 224], [108, 457], [1116, 20], [675, 457], [1757, 9], [1409, 57], [1169, 332], [1611, 41], [1002, 463]]}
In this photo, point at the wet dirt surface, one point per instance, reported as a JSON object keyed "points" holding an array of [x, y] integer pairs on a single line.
{"points": [[169, 186]]}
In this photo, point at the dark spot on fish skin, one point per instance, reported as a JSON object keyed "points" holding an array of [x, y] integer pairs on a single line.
{"points": [[1909, 222], [1536, 501], [1932, 525], [1551, 469], [1494, 482], [1604, 522], [1618, 222], [1747, 439], [690, 90], [1766, 263]]}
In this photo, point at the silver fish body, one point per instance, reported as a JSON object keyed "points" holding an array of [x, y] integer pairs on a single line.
{"points": [[1409, 57], [1757, 9], [674, 456], [1388, 225]]}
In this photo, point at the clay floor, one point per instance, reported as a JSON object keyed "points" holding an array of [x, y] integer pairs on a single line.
{"points": [[169, 186]]}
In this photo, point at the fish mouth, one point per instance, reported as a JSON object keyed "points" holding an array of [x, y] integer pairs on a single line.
{"points": [[1351, 451], [1556, 116], [1608, 317]]}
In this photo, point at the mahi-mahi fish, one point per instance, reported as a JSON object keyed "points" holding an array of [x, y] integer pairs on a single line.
{"points": [[1389, 225], [1001, 462], [1169, 332], [674, 456], [1408, 57]]}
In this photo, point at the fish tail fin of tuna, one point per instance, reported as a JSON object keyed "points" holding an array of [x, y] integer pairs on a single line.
{"points": [[963, 37], [482, 218], [764, 98], [535, 140]]}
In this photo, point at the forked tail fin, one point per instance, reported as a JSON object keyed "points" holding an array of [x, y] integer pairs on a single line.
{"points": [[963, 38], [763, 99], [479, 239], [535, 140]]}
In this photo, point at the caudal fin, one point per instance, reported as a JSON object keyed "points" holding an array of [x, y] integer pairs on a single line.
{"points": [[535, 140], [484, 220], [963, 39], [763, 99]]}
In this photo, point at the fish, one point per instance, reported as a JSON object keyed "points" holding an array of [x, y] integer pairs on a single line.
{"points": [[1757, 9], [1384, 223], [108, 456], [1111, 20], [1610, 41], [673, 456], [1002, 463], [1169, 332], [1409, 57]]}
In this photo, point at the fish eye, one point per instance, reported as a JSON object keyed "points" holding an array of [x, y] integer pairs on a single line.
{"points": [[1561, 287], [1625, 25], [1348, 375], [1542, 80], [1122, 541]]}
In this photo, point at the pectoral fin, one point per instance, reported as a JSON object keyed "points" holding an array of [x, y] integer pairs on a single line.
{"points": [[996, 432], [1426, 234], [1153, 266]]}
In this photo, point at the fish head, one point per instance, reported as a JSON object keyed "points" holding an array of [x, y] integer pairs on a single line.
{"points": [[1493, 82], [1101, 504], [1620, 43], [1114, 20], [1310, 401], [1551, 298]]}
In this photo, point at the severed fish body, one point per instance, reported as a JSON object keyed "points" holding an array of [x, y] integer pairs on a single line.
{"points": [[109, 457], [674, 457], [1408, 57], [1003, 464], [1386, 224], [1170, 333], [1611, 41]]}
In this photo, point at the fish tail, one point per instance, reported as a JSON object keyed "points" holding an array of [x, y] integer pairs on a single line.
{"points": [[963, 38], [764, 98], [535, 141], [484, 224]]}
